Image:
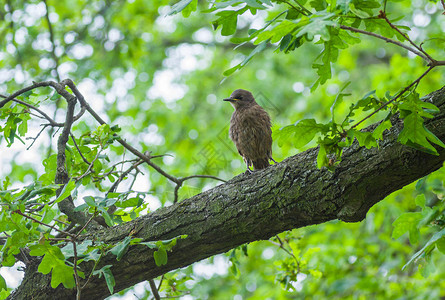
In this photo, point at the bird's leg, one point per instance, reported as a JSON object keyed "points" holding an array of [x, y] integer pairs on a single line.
{"points": [[248, 171], [273, 160]]}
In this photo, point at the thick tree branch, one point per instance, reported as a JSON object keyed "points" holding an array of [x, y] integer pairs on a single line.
{"points": [[290, 194]]}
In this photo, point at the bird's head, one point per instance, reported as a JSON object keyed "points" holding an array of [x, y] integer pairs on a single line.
{"points": [[241, 98]]}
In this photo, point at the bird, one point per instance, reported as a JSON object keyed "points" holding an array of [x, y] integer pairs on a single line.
{"points": [[250, 130]]}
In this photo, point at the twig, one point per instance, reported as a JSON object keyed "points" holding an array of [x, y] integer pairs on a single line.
{"points": [[160, 282], [92, 271], [386, 40], [122, 176], [304, 11], [78, 149], [86, 224], [66, 205], [146, 159], [395, 98], [281, 245], [76, 276], [44, 224], [181, 181], [37, 136], [154, 290], [53, 44], [44, 115], [202, 176], [383, 16], [91, 165]]}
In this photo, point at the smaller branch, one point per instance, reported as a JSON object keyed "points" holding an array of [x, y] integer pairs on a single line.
{"points": [[386, 40], [134, 178], [44, 115], [383, 16], [304, 11], [154, 290], [92, 271], [81, 112], [58, 239], [395, 98], [281, 245], [78, 149], [88, 171], [76, 276], [304, 8], [178, 185], [160, 282], [119, 180], [83, 103], [44, 224], [37, 136], [202, 176], [51, 37], [86, 224], [181, 181]]}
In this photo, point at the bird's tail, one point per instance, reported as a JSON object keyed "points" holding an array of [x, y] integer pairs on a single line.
{"points": [[260, 163]]}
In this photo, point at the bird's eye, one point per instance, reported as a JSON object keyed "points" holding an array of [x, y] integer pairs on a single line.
{"points": [[240, 97]]}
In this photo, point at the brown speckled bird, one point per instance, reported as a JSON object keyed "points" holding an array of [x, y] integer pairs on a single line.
{"points": [[250, 130]]}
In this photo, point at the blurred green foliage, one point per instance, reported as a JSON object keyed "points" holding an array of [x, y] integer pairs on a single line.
{"points": [[158, 76]]}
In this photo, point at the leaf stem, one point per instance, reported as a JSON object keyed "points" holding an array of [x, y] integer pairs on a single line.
{"points": [[395, 98]]}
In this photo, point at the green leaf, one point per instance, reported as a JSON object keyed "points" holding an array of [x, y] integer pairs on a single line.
{"points": [[3, 284], [121, 248], [415, 134], [231, 70], [338, 100], [228, 20], [434, 238], [48, 215], [318, 5], [378, 131], [329, 54], [160, 256], [106, 216], [179, 7], [131, 202], [359, 13], [364, 138], [317, 24], [440, 244], [277, 33], [407, 222], [53, 261], [257, 49], [66, 191], [322, 159], [23, 127], [90, 201], [62, 274], [108, 275], [300, 134], [420, 200]]}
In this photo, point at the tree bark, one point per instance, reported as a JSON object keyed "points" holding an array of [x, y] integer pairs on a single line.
{"points": [[288, 195]]}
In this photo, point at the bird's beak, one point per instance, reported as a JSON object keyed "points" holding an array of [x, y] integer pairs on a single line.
{"points": [[230, 99]]}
